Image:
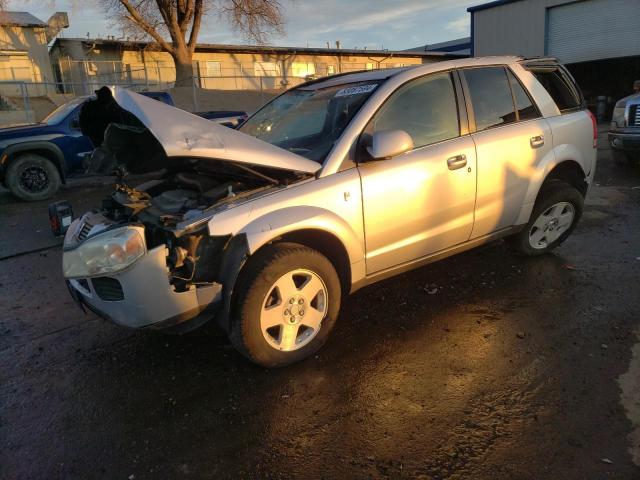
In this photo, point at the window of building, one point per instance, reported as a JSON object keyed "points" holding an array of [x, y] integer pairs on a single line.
{"points": [[212, 69], [524, 106], [266, 69], [369, 66], [303, 69], [425, 108], [331, 69], [490, 96], [561, 89]]}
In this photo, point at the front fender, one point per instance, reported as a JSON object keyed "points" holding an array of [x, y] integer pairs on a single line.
{"points": [[264, 229]]}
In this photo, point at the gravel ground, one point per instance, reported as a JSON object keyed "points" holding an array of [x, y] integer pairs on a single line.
{"points": [[483, 366]]}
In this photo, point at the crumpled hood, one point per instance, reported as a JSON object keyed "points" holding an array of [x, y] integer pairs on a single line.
{"points": [[182, 134]]}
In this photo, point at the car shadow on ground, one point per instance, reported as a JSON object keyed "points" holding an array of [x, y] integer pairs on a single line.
{"points": [[400, 347]]}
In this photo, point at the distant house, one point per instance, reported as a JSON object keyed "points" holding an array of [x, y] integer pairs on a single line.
{"points": [[81, 63], [23, 46]]}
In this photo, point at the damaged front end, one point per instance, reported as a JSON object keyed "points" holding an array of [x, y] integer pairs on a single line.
{"points": [[145, 259]]}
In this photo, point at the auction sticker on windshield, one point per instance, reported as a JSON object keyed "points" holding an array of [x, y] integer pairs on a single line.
{"points": [[356, 90]]}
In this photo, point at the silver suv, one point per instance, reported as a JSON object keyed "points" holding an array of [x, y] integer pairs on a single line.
{"points": [[334, 185]]}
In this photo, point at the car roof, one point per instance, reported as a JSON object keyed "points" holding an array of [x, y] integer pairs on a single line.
{"points": [[385, 73]]}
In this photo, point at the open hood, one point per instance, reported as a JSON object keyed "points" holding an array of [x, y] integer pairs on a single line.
{"points": [[182, 134]]}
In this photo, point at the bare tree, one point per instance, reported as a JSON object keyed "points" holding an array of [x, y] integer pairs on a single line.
{"points": [[175, 24]]}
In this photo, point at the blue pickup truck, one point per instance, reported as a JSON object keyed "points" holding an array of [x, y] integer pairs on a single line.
{"points": [[36, 159]]}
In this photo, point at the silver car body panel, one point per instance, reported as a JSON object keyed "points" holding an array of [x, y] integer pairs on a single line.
{"points": [[183, 134], [320, 203], [390, 215], [414, 205], [507, 167], [332, 204]]}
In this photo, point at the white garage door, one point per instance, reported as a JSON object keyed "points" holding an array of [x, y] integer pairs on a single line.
{"points": [[593, 30]]}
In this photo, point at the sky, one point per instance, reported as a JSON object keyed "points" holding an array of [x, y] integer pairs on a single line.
{"points": [[374, 24]]}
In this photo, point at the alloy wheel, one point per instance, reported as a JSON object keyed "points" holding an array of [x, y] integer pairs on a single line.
{"points": [[293, 310], [551, 224], [34, 179]]}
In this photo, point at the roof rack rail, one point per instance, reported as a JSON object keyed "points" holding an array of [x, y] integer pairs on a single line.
{"points": [[537, 58], [539, 63]]}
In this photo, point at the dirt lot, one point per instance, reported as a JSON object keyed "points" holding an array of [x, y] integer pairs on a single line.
{"points": [[483, 366]]}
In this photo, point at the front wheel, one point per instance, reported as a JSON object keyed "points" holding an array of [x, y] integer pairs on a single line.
{"points": [[286, 304], [554, 216], [32, 177]]}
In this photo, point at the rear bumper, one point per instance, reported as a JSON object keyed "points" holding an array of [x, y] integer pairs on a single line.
{"points": [[624, 141], [142, 297]]}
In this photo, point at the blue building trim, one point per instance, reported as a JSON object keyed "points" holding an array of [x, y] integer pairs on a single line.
{"points": [[451, 48], [473, 39], [546, 32], [495, 3]]}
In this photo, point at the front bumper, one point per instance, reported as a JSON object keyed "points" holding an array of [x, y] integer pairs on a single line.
{"points": [[145, 298], [624, 141]]}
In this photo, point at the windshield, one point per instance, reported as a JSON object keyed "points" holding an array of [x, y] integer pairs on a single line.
{"points": [[308, 122], [62, 111]]}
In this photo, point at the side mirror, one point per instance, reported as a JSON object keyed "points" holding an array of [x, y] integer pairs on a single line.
{"points": [[389, 143]]}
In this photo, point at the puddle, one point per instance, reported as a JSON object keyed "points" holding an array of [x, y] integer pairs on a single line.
{"points": [[630, 385]]}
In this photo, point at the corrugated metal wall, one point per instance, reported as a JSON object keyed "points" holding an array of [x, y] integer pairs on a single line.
{"points": [[594, 30], [512, 29]]}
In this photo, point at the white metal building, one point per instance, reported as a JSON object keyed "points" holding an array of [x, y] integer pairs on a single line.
{"points": [[599, 40]]}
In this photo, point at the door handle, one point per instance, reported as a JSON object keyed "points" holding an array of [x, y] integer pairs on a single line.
{"points": [[537, 141], [459, 161]]}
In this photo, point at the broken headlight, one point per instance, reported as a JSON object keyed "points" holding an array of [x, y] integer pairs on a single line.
{"points": [[108, 252]]}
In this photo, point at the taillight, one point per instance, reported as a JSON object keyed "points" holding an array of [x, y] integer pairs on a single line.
{"points": [[594, 123]]}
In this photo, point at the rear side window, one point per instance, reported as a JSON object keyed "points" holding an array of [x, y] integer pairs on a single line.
{"points": [[490, 96], [560, 88], [524, 106]]}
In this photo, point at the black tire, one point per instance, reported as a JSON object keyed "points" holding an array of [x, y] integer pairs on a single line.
{"points": [[32, 177], [550, 195], [257, 280]]}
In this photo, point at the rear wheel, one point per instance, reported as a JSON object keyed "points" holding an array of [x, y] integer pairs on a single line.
{"points": [[287, 303], [554, 216], [32, 177]]}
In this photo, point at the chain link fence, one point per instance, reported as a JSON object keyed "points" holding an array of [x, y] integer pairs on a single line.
{"points": [[25, 98]]}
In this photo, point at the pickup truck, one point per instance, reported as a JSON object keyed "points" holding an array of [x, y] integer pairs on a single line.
{"points": [[624, 133], [35, 159]]}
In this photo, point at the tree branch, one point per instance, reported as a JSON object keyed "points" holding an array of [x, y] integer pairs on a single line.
{"points": [[134, 16], [197, 20]]}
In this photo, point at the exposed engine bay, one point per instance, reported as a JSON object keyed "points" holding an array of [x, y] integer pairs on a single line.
{"points": [[159, 205], [173, 207]]}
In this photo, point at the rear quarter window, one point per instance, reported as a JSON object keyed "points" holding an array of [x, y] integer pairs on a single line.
{"points": [[524, 106], [561, 89], [490, 96]]}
